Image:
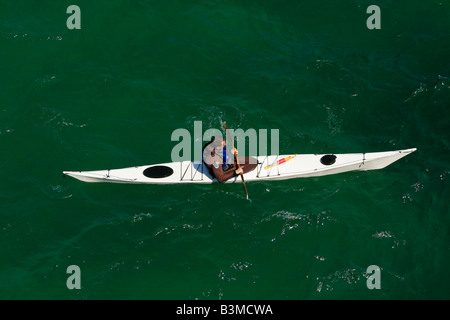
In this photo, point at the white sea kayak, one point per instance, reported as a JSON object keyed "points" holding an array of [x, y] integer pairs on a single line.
{"points": [[274, 167]]}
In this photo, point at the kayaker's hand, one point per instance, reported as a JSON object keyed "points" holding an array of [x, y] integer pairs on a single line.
{"points": [[239, 171]]}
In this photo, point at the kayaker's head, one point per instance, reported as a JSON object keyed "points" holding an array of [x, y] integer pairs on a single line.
{"points": [[215, 147], [218, 143]]}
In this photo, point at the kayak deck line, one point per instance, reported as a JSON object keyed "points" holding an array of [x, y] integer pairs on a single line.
{"points": [[296, 166]]}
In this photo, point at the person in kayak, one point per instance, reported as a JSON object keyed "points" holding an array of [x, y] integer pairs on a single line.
{"points": [[221, 161]]}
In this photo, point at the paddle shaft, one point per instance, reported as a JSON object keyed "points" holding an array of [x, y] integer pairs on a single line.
{"points": [[237, 161]]}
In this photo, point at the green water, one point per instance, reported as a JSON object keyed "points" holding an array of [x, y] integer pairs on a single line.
{"points": [[111, 94]]}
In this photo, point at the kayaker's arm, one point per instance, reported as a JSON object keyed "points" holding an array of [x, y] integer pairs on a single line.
{"points": [[221, 175]]}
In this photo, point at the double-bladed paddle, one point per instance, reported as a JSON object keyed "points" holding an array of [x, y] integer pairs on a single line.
{"points": [[237, 161]]}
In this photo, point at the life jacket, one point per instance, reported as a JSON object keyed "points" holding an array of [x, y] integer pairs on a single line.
{"points": [[224, 156]]}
